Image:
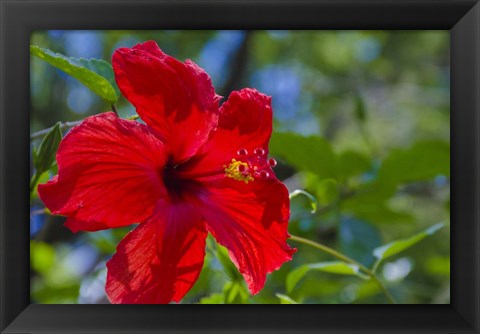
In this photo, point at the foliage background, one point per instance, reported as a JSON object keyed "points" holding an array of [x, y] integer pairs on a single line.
{"points": [[375, 108]]}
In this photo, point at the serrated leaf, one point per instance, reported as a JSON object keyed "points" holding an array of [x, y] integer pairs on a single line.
{"points": [[333, 267], [395, 247], [95, 74], [313, 154], [102, 68]]}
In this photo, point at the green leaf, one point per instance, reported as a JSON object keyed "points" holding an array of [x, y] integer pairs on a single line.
{"points": [[103, 69], [395, 247], [44, 156], [45, 292], [313, 200], [284, 299], [422, 161], [215, 298], [313, 154], [352, 163], [334, 267], [375, 211], [370, 203], [328, 191], [358, 239], [228, 266], [95, 74], [235, 293]]}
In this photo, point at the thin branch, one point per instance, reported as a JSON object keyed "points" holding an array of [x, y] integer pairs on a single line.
{"points": [[344, 258], [63, 125], [38, 212]]}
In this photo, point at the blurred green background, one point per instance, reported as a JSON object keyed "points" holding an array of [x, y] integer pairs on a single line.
{"points": [[361, 121]]}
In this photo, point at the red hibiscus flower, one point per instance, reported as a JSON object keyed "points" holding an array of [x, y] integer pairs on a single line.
{"points": [[193, 168]]}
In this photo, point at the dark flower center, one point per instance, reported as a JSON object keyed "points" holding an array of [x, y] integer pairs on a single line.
{"points": [[178, 186]]}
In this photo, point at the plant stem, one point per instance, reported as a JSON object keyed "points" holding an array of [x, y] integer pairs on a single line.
{"points": [[63, 125], [328, 250], [345, 258], [114, 109], [383, 288]]}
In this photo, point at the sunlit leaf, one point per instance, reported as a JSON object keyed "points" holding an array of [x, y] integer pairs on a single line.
{"points": [[395, 247], [333, 267], [235, 293], [102, 68], [284, 299], [93, 73], [215, 298]]}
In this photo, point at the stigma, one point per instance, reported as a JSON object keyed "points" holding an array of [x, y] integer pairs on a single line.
{"points": [[250, 167]]}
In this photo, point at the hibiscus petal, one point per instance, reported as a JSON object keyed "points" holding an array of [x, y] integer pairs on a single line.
{"points": [[108, 174], [245, 123], [160, 260], [176, 99], [251, 221]]}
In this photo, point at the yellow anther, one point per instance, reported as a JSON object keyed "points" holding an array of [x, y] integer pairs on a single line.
{"points": [[238, 171]]}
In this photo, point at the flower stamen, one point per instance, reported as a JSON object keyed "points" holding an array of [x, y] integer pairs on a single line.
{"points": [[255, 166], [238, 171]]}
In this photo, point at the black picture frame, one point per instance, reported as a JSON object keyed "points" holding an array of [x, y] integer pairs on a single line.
{"points": [[18, 18]]}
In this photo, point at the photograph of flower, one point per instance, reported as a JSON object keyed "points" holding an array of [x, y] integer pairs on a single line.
{"points": [[240, 167]]}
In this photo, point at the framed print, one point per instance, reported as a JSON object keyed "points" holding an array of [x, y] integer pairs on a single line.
{"points": [[224, 152]]}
